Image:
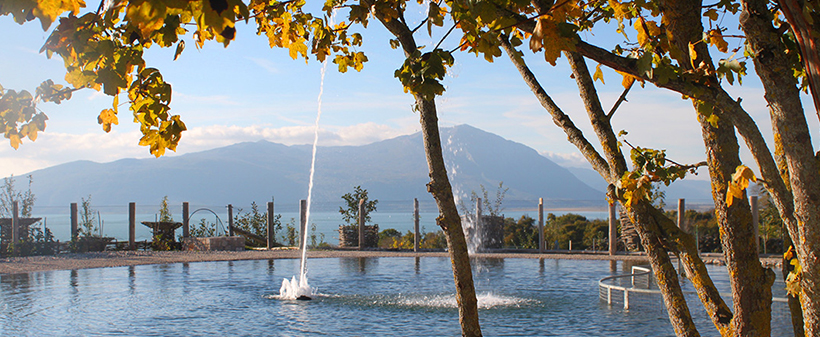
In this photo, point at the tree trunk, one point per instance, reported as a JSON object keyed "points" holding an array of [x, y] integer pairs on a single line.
{"points": [[449, 220], [790, 128], [751, 283], [805, 34], [439, 186], [665, 274]]}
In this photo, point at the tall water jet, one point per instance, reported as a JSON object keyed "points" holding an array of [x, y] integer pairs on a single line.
{"points": [[301, 290]]}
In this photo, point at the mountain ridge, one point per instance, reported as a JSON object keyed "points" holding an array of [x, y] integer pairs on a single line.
{"points": [[392, 170]]}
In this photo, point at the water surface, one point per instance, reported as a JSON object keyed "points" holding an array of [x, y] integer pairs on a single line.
{"points": [[359, 296]]}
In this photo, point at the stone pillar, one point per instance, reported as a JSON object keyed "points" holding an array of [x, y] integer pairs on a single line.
{"points": [[74, 231], [540, 225], [15, 222], [416, 237], [186, 225], [613, 229], [230, 220], [755, 222], [361, 224], [302, 223], [271, 228], [132, 225]]}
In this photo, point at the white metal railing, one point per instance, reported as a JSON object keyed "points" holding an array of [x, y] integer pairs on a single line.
{"points": [[638, 275]]}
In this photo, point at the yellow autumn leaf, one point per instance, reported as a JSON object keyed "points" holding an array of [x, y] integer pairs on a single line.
{"points": [[15, 141], [48, 10], [742, 176], [106, 118], [598, 75], [628, 80], [619, 10], [646, 31], [731, 193], [147, 15], [693, 54], [716, 39]]}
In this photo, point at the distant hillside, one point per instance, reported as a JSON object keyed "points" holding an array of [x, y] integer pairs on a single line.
{"points": [[391, 170]]}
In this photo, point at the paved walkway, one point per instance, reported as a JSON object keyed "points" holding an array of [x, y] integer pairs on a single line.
{"points": [[129, 258]]}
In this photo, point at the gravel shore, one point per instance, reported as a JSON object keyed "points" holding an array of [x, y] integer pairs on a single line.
{"points": [[32, 264]]}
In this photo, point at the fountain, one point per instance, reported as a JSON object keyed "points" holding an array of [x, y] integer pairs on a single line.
{"points": [[301, 290]]}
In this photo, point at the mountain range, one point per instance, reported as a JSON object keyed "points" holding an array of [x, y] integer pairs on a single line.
{"points": [[393, 171]]}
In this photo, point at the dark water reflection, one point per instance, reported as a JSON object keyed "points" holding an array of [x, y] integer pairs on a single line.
{"points": [[360, 296]]}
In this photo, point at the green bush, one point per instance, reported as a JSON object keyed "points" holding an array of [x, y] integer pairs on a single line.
{"points": [[520, 234]]}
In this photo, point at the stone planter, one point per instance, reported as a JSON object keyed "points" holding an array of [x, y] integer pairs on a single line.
{"points": [[349, 236]]}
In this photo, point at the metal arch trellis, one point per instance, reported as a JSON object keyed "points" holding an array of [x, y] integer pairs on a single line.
{"points": [[219, 224]]}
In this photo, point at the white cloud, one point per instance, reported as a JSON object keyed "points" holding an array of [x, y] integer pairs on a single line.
{"points": [[567, 159]]}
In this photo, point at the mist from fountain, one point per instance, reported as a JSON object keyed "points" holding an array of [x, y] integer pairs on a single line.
{"points": [[469, 222]]}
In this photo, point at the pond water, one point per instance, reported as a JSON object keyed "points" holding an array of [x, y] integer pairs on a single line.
{"points": [[358, 296]]}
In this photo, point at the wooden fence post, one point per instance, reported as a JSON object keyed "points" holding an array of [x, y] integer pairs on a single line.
{"points": [[15, 222], [613, 230], [361, 224], [416, 237], [230, 220], [74, 231], [540, 225], [271, 228], [132, 225], [186, 226]]}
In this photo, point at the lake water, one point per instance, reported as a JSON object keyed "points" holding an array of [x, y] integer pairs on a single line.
{"points": [[114, 219], [358, 296]]}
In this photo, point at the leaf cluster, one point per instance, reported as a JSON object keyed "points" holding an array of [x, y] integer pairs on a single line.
{"points": [[649, 166], [103, 50], [421, 74], [740, 180]]}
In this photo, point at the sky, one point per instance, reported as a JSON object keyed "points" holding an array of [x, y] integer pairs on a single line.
{"points": [[250, 92]]}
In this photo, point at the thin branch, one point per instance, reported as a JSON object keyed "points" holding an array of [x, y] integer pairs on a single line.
{"points": [[446, 35], [620, 100], [574, 135], [420, 24]]}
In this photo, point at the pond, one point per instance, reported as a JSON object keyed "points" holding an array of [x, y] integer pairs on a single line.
{"points": [[358, 296]]}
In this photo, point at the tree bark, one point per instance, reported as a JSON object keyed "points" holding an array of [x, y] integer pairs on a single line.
{"points": [[439, 186], [790, 127], [808, 42], [750, 282]]}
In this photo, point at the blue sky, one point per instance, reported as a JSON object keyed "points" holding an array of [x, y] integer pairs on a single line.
{"points": [[249, 92]]}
